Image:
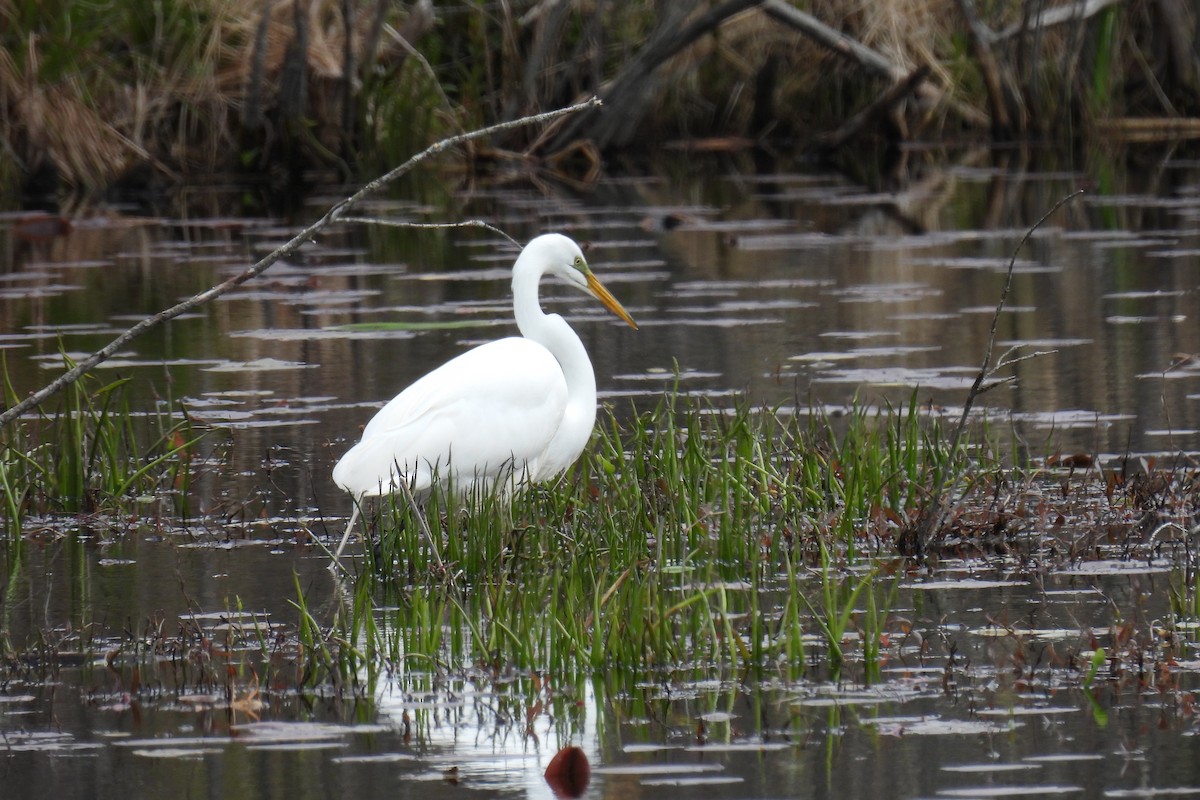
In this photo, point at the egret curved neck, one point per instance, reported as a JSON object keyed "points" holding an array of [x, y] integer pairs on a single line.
{"points": [[552, 332]]}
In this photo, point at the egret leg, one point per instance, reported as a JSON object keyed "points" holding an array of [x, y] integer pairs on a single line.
{"points": [[337, 556]]}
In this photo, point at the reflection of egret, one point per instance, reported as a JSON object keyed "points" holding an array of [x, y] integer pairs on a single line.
{"points": [[515, 410]]}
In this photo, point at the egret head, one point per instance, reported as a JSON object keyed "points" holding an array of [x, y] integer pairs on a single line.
{"points": [[563, 257]]}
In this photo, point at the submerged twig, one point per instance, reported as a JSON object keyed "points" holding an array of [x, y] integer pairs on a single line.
{"points": [[336, 212]]}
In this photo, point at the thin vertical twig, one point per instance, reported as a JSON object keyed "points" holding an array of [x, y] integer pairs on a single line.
{"points": [[935, 515]]}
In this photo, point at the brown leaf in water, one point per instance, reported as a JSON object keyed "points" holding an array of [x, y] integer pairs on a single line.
{"points": [[1077, 461], [569, 772], [39, 227]]}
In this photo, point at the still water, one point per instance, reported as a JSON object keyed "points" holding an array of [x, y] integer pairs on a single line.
{"points": [[796, 288]]}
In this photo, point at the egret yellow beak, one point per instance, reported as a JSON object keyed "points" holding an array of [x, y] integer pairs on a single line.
{"points": [[610, 302]]}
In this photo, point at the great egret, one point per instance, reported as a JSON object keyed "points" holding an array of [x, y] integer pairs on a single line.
{"points": [[516, 410]]}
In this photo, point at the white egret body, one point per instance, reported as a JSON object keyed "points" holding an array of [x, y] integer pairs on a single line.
{"points": [[515, 410]]}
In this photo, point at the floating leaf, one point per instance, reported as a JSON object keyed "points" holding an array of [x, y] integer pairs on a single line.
{"points": [[569, 772]]}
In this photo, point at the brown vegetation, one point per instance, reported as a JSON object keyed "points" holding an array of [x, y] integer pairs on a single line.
{"points": [[90, 94]]}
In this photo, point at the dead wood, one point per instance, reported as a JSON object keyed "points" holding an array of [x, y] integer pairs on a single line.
{"points": [[1072, 12], [870, 60], [1156, 129], [883, 105], [998, 83], [838, 42], [625, 97]]}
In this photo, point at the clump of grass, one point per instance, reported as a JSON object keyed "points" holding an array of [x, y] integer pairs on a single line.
{"points": [[687, 540], [693, 543], [93, 89], [92, 455]]}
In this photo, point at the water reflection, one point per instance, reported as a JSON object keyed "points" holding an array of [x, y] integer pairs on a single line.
{"points": [[977, 699]]}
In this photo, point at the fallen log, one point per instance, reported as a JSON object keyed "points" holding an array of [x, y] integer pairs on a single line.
{"points": [[624, 95], [870, 60], [883, 105], [1074, 12], [1156, 129], [838, 42]]}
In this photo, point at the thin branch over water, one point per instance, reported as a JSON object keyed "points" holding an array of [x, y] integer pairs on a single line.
{"points": [[335, 213], [939, 503], [466, 223]]}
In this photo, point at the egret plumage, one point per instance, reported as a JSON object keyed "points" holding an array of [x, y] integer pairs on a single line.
{"points": [[513, 411]]}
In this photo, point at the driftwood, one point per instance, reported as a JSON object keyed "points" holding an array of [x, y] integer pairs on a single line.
{"points": [[335, 213], [838, 42], [1154, 129], [882, 106], [870, 60], [625, 95], [1073, 12]]}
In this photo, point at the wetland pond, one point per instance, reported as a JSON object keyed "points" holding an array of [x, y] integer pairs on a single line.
{"points": [[134, 646]]}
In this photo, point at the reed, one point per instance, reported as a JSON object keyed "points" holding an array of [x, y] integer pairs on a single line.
{"points": [[687, 540], [93, 455]]}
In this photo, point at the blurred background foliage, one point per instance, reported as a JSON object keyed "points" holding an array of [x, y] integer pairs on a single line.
{"points": [[112, 94]]}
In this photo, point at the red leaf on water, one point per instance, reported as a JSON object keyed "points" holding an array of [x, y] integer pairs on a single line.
{"points": [[569, 772]]}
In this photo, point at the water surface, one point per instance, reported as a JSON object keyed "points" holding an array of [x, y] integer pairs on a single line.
{"points": [[796, 288]]}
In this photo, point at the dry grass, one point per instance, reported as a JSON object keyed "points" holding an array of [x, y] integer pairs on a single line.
{"points": [[174, 90], [56, 123], [208, 85]]}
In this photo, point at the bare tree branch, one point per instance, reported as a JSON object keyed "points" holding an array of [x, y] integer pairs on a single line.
{"points": [[399, 223], [335, 213], [819, 32], [870, 60]]}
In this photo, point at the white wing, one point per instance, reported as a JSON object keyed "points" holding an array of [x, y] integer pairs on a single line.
{"points": [[499, 404]]}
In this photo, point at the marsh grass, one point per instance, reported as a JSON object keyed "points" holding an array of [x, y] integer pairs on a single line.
{"points": [[690, 545], [687, 540], [93, 455]]}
